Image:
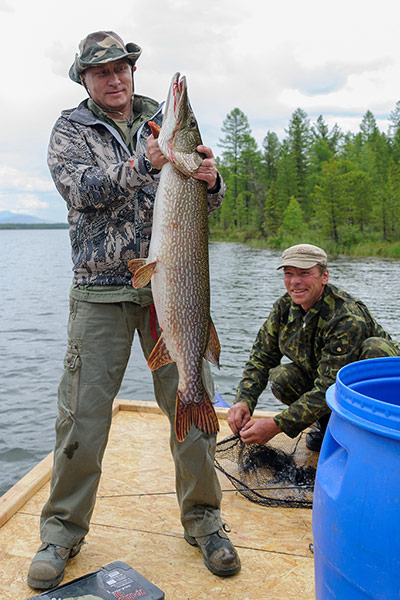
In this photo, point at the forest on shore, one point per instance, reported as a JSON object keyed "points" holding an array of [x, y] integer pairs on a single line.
{"points": [[318, 185], [340, 191]]}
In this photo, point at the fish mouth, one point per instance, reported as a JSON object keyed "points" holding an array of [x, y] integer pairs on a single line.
{"points": [[179, 135], [174, 103], [175, 93]]}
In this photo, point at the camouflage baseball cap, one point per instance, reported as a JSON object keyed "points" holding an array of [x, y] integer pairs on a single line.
{"points": [[99, 48], [303, 256]]}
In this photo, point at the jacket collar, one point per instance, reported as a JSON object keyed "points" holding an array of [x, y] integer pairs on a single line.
{"points": [[296, 312], [146, 107]]}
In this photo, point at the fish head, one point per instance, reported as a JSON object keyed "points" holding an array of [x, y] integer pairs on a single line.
{"points": [[180, 135]]}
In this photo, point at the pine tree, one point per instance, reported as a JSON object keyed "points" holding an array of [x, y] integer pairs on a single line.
{"points": [[271, 147], [394, 132], [251, 186], [324, 146], [286, 176], [293, 228], [330, 200], [299, 136], [346, 185], [235, 127], [358, 195], [389, 207], [272, 212], [368, 127]]}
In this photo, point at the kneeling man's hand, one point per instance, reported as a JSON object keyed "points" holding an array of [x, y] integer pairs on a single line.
{"points": [[259, 431]]}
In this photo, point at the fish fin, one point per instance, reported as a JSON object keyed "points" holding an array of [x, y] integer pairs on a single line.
{"points": [[155, 129], [143, 275], [213, 347], [135, 263], [201, 414], [159, 355]]}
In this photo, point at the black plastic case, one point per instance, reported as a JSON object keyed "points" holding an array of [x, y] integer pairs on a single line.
{"points": [[116, 581]]}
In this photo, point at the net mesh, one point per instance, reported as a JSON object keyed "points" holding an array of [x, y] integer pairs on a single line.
{"points": [[275, 474]]}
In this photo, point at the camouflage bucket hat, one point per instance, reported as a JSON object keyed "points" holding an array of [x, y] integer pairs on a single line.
{"points": [[99, 48]]}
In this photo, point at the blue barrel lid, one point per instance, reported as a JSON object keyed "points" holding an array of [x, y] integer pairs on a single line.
{"points": [[377, 412]]}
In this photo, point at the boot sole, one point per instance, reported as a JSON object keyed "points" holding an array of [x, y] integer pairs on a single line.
{"points": [[39, 584]]}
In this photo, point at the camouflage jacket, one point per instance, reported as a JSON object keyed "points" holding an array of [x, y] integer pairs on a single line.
{"points": [[108, 189], [320, 342]]}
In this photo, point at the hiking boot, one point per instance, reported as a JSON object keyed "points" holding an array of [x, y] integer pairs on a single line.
{"points": [[48, 565], [315, 437], [219, 554]]}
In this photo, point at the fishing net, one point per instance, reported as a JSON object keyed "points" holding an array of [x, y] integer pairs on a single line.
{"points": [[274, 475]]}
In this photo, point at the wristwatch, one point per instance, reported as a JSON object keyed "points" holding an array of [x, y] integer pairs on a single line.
{"points": [[148, 167]]}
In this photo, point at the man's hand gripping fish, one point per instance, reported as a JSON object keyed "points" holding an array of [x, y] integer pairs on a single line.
{"points": [[178, 265]]}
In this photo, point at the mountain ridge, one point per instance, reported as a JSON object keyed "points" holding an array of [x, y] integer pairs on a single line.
{"points": [[9, 217]]}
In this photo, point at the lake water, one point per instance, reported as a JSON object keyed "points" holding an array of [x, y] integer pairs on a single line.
{"points": [[35, 279]]}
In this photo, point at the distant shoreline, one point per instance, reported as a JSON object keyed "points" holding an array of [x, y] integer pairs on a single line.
{"points": [[34, 225]]}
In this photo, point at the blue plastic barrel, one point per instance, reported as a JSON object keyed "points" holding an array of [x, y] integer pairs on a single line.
{"points": [[356, 510]]}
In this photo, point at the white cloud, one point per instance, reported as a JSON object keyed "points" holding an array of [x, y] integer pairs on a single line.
{"points": [[14, 179], [22, 203], [6, 6], [351, 99], [21, 192]]}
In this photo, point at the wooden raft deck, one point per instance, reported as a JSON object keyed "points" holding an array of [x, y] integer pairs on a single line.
{"points": [[136, 520]]}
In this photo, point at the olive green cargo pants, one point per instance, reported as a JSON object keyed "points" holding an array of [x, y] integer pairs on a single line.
{"points": [[100, 336]]}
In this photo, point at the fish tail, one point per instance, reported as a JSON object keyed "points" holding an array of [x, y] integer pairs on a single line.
{"points": [[201, 414]]}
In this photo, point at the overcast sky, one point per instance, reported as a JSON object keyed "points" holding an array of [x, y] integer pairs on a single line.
{"points": [[267, 58]]}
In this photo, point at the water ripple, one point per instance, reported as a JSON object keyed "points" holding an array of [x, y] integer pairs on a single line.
{"points": [[33, 321]]}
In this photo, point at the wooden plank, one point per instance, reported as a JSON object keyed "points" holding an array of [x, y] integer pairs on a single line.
{"points": [[136, 520], [138, 406], [152, 407], [25, 488]]}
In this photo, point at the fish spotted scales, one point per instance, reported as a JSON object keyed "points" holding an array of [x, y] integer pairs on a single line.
{"points": [[178, 265]]}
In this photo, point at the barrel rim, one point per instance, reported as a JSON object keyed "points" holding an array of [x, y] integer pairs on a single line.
{"points": [[362, 410]]}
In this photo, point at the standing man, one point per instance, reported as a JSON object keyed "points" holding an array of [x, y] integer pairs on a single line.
{"points": [[319, 328], [105, 164]]}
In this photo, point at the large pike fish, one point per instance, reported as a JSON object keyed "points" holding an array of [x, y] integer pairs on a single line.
{"points": [[178, 265]]}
